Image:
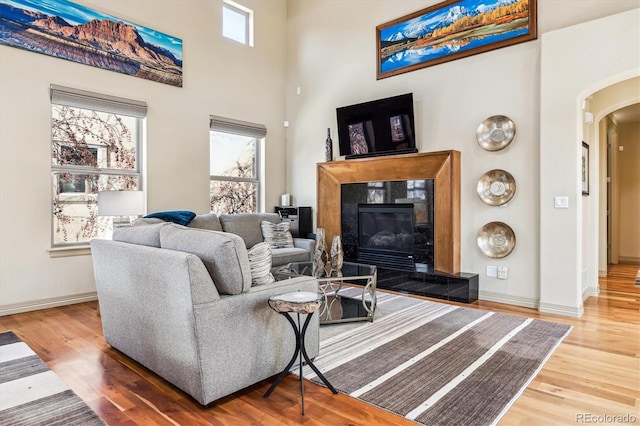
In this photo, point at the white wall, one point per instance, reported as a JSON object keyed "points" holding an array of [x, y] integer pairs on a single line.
{"points": [[568, 74], [221, 77], [332, 60]]}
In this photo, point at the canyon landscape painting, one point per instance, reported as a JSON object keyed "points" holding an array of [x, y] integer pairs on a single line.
{"points": [[70, 31], [451, 30]]}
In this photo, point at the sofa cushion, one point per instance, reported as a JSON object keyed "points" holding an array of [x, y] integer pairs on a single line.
{"points": [[282, 256], [181, 217], [247, 225], [223, 254], [277, 235], [260, 263], [206, 221], [148, 235], [146, 221]]}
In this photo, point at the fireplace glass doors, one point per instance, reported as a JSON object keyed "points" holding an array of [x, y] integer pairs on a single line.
{"points": [[388, 224], [385, 233]]}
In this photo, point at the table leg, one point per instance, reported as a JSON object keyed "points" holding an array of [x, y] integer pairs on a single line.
{"points": [[301, 344], [293, 359], [310, 363], [302, 351]]}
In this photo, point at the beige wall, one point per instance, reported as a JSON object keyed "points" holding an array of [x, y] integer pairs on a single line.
{"points": [[221, 77], [332, 60], [629, 191]]}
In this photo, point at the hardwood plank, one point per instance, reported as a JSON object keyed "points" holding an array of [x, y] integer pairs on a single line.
{"points": [[594, 371]]}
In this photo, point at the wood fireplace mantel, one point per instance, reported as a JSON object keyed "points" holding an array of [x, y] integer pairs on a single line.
{"points": [[443, 167]]}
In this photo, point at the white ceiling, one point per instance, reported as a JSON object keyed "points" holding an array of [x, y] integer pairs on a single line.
{"points": [[629, 114]]}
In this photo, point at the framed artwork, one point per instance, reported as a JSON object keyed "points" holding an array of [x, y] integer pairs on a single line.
{"points": [[451, 30], [585, 169], [74, 32]]}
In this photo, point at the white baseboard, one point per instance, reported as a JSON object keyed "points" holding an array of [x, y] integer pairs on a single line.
{"points": [[35, 305], [525, 302], [565, 311], [590, 291], [602, 274]]}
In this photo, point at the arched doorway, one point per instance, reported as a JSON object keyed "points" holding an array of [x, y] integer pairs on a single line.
{"points": [[616, 133]]}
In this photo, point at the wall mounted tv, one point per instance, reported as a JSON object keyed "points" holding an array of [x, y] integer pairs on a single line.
{"points": [[380, 127]]}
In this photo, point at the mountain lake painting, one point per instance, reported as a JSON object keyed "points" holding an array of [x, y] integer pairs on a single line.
{"points": [[70, 31], [451, 30]]}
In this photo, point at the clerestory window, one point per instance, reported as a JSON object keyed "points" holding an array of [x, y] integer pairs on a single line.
{"points": [[96, 145], [237, 22], [235, 165]]}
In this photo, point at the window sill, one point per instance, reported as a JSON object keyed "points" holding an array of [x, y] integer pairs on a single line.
{"points": [[69, 251]]}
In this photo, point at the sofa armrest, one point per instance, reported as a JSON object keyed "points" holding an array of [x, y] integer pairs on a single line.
{"points": [[305, 243], [146, 297]]}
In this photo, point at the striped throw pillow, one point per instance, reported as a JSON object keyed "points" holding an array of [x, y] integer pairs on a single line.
{"points": [[260, 263], [277, 235]]}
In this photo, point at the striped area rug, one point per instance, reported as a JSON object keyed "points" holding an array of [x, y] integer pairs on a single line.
{"points": [[32, 394], [436, 364]]}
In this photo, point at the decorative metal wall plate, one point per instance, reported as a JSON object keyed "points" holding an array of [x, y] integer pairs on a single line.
{"points": [[496, 133], [496, 240], [496, 187]]}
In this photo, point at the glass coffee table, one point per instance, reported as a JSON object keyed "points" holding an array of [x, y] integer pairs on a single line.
{"points": [[342, 302]]}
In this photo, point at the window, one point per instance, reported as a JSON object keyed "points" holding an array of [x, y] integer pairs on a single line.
{"points": [[235, 159], [237, 22], [95, 146]]}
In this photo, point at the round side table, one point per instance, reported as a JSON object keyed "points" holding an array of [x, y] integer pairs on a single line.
{"points": [[298, 302]]}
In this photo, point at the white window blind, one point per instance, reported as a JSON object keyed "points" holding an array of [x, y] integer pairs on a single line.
{"points": [[77, 98], [237, 127]]}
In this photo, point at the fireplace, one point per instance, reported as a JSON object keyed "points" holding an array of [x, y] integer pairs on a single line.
{"points": [[430, 182], [388, 223], [436, 246], [385, 234]]}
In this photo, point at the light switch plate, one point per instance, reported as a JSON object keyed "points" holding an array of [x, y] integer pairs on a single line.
{"points": [[492, 271], [561, 202]]}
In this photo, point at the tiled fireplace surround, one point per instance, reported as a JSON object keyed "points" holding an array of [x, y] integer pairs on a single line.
{"points": [[409, 178]]}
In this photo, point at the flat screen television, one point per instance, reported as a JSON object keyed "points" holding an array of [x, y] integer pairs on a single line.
{"points": [[380, 127]]}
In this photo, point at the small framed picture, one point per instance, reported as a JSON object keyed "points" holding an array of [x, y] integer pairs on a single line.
{"points": [[585, 169]]}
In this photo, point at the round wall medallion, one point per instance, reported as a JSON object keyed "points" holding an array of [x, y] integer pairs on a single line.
{"points": [[496, 240], [496, 187], [496, 133]]}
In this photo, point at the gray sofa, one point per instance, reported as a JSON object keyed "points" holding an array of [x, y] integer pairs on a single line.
{"points": [[247, 226], [179, 301]]}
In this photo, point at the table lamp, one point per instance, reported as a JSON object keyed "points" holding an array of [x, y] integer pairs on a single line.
{"points": [[122, 205]]}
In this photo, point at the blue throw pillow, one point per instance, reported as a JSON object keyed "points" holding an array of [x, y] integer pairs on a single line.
{"points": [[181, 217]]}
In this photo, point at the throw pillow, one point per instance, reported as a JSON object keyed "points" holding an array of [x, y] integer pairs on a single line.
{"points": [[277, 235], [260, 263], [181, 217]]}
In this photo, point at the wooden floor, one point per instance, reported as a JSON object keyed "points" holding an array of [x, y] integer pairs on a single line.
{"points": [[594, 372]]}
